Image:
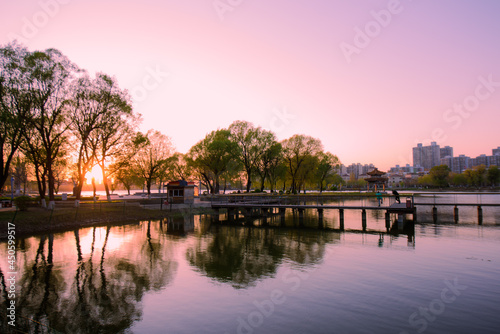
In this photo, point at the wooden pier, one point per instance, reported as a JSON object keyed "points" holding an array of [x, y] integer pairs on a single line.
{"points": [[255, 206], [456, 210]]}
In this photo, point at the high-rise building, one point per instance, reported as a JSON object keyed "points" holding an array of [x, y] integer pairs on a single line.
{"points": [[461, 163], [481, 160], [446, 151], [417, 155], [355, 169], [427, 156], [496, 151], [448, 161]]}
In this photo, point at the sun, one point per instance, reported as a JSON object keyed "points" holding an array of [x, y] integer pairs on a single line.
{"points": [[95, 173]]}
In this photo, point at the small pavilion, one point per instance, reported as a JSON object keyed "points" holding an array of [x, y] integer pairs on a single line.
{"points": [[181, 192], [376, 180]]}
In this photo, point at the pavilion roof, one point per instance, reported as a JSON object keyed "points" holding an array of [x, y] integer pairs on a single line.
{"points": [[376, 172]]}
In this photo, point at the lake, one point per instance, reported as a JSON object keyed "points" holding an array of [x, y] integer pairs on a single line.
{"points": [[194, 274]]}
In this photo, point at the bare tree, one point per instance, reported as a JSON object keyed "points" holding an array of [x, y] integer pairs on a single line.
{"points": [[152, 158], [15, 104], [100, 111], [50, 73]]}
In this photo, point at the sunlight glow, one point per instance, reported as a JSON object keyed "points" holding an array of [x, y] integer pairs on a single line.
{"points": [[96, 173]]}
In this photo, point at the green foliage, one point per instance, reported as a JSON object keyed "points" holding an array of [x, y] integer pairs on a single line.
{"points": [[439, 175], [256, 150], [325, 169], [425, 181], [493, 175], [213, 156], [459, 180], [357, 184], [298, 153], [337, 180], [23, 202], [476, 176]]}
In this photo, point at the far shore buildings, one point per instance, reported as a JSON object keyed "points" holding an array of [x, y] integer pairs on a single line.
{"points": [[424, 158], [356, 170], [427, 157]]}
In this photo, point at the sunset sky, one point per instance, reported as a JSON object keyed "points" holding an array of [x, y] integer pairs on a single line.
{"points": [[370, 79]]}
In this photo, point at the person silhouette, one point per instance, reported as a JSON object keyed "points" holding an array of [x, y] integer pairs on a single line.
{"points": [[396, 194], [379, 197]]}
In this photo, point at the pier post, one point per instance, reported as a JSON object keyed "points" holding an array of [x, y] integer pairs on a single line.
{"points": [[401, 222], [363, 219], [341, 218], [215, 216], [480, 215], [265, 221], [434, 214], [387, 220], [320, 218], [455, 214]]}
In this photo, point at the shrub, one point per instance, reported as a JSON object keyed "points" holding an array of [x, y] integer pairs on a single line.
{"points": [[23, 202]]}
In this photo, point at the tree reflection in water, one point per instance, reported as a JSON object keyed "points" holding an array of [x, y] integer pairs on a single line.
{"points": [[97, 291], [241, 255], [93, 280]]}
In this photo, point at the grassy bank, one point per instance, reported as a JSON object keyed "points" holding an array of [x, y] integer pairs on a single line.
{"points": [[38, 220]]}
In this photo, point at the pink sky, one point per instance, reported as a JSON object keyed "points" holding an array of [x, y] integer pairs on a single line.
{"points": [[263, 60]]}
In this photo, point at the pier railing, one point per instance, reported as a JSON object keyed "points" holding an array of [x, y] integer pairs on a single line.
{"points": [[317, 200], [363, 199]]}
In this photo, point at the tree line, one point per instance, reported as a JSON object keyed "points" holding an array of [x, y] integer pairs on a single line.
{"points": [[58, 121], [479, 176]]}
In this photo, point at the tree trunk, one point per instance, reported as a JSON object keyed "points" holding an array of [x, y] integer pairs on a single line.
{"points": [[93, 188], [249, 180], [148, 187], [42, 185], [50, 176], [217, 186], [105, 182]]}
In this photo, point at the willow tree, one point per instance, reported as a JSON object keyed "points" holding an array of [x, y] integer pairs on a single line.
{"points": [[254, 143], [297, 151], [212, 156], [325, 170], [268, 166]]}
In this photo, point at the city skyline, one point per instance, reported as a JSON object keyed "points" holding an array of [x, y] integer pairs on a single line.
{"points": [[494, 151], [369, 80]]}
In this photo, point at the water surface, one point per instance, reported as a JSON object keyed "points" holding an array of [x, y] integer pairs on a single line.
{"points": [[194, 275]]}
